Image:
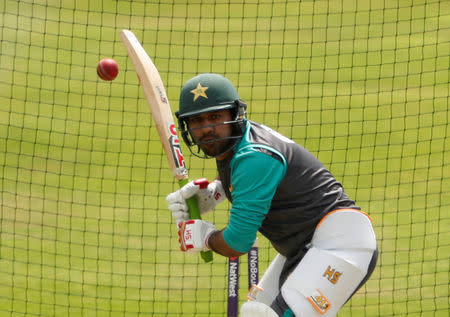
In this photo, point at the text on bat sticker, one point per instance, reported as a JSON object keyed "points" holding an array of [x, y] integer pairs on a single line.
{"points": [[162, 96], [175, 147]]}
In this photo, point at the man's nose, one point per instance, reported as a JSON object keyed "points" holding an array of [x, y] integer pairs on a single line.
{"points": [[206, 127]]}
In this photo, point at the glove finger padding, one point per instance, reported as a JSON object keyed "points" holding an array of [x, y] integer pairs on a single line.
{"points": [[175, 197], [177, 201], [208, 196], [180, 216], [189, 190], [177, 205]]}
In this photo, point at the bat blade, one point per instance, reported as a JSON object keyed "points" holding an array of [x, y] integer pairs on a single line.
{"points": [[158, 103]]}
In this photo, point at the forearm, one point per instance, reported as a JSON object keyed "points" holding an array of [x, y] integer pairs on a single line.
{"points": [[217, 243]]}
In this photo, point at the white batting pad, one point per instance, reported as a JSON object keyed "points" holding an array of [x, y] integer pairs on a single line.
{"points": [[268, 287], [345, 229], [321, 284], [256, 309]]}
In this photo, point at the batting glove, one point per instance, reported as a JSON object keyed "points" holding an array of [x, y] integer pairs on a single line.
{"points": [[208, 195], [193, 235]]}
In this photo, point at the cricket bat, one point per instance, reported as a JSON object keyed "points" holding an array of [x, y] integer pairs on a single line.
{"points": [[158, 102]]}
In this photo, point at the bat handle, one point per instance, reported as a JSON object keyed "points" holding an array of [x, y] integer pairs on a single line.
{"points": [[194, 213]]}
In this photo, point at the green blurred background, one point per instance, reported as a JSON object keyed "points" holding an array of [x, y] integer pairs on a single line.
{"points": [[84, 227]]}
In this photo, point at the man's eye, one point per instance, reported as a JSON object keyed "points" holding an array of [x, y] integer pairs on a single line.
{"points": [[195, 120], [214, 117]]}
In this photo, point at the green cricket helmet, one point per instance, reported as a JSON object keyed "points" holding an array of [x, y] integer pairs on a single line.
{"points": [[208, 93]]}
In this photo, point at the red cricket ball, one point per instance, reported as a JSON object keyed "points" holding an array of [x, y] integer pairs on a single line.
{"points": [[107, 69]]}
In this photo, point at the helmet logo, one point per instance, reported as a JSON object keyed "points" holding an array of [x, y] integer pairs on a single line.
{"points": [[199, 91]]}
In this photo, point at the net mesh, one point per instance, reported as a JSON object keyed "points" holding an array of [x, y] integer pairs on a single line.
{"points": [[84, 226]]}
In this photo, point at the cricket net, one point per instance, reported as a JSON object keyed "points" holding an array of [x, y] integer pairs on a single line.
{"points": [[84, 226]]}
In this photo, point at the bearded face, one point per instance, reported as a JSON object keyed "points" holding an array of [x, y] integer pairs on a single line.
{"points": [[212, 132]]}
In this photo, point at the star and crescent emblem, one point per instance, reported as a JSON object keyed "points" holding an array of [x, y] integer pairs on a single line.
{"points": [[199, 91]]}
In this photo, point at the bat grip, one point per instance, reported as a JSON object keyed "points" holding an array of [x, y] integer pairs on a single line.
{"points": [[194, 213]]}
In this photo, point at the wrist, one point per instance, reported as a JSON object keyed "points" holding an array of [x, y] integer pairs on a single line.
{"points": [[208, 238]]}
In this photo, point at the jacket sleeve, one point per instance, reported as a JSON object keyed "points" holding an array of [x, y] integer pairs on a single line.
{"points": [[255, 177]]}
